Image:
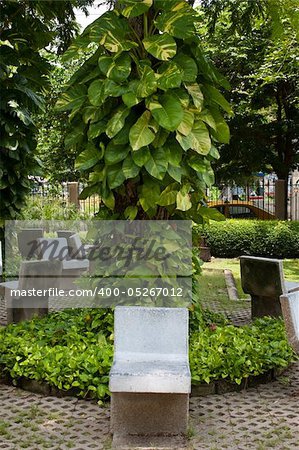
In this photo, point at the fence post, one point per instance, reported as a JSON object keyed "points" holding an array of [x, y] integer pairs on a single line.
{"points": [[73, 191], [280, 199]]}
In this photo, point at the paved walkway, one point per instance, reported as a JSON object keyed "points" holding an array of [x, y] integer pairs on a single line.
{"points": [[260, 418]]}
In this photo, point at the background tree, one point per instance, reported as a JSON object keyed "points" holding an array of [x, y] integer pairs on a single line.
{"points": [[262, 67], [145, 111], [26, 28]]}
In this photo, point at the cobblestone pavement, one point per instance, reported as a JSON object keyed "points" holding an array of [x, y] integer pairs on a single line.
{"points": [[260, 418]]}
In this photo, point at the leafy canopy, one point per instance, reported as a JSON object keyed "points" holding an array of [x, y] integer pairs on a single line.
{"points": [[146, 110]]}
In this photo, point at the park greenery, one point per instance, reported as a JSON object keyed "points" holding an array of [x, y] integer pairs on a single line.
{"points": [[259, 56], [146, 88], [26, 29], [73, 350], [266, 238], [146, 111]]}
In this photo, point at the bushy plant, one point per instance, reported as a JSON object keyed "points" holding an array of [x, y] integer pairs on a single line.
{"points": [[73, 350], [274, 239], [50, 208], [146, 111]]}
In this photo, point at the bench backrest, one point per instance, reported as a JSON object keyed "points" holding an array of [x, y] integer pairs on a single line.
{"points": [[143, 332], [53, 248], [262, 276], [290, 311], [26, 240]]}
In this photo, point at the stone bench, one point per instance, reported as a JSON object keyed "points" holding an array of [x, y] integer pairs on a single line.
{"points": [[150, 378], [58, 249], [290, 312], [263, 279], [38, 275]]}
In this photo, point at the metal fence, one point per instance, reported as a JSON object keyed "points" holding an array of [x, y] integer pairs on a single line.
{"points": [[259, 194], [64, 193]]}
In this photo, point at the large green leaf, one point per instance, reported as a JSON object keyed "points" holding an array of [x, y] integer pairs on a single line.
{"points": [[96, 129], [175, 172], [130, 169], [183, 201], [115, 153], [113, 89], [196, 94], [173, 152], [134, 8], [213, 95], [188, 65], [131, 212], [108, 198], [117, 122], [118, 68], [178, 23], [73, 98], [149, 195], [169, 195], [130, 99], [157, 163], [198, 140], [187, 123], [110, 21], [96, 92], [161, 138], [140, 133], [221, 133], [115, 176], [140, 157], [148, 82], [167, 111], [161, 46], [89, 157], [197, 163], [111, 31], [170, 76], [206, 116]]}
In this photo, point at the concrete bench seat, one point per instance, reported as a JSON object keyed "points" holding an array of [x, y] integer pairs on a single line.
{"points": [[290, 312], [291, 286], [150, 379], [263, 279], [150, 376]]}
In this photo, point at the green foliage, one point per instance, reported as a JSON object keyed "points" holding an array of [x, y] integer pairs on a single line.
{"points": [[235, 353], [26, 28], [73, 350], [261, 63], [234, 238], [145, 106], [68, 350], [50, 208]]}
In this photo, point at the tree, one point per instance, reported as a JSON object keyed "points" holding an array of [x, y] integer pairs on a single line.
{"points": [[26, 28], [262, 68], [146, 111]]}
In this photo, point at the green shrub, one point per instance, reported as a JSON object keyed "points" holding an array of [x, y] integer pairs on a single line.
{"points": [[232, 238], [74, 349], [51, 208]]}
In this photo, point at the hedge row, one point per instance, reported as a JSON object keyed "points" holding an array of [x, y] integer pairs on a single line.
{"points": [[268, 238]]}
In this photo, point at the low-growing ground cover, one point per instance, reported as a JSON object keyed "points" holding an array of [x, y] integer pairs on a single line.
{"points": [[73, 350]]}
